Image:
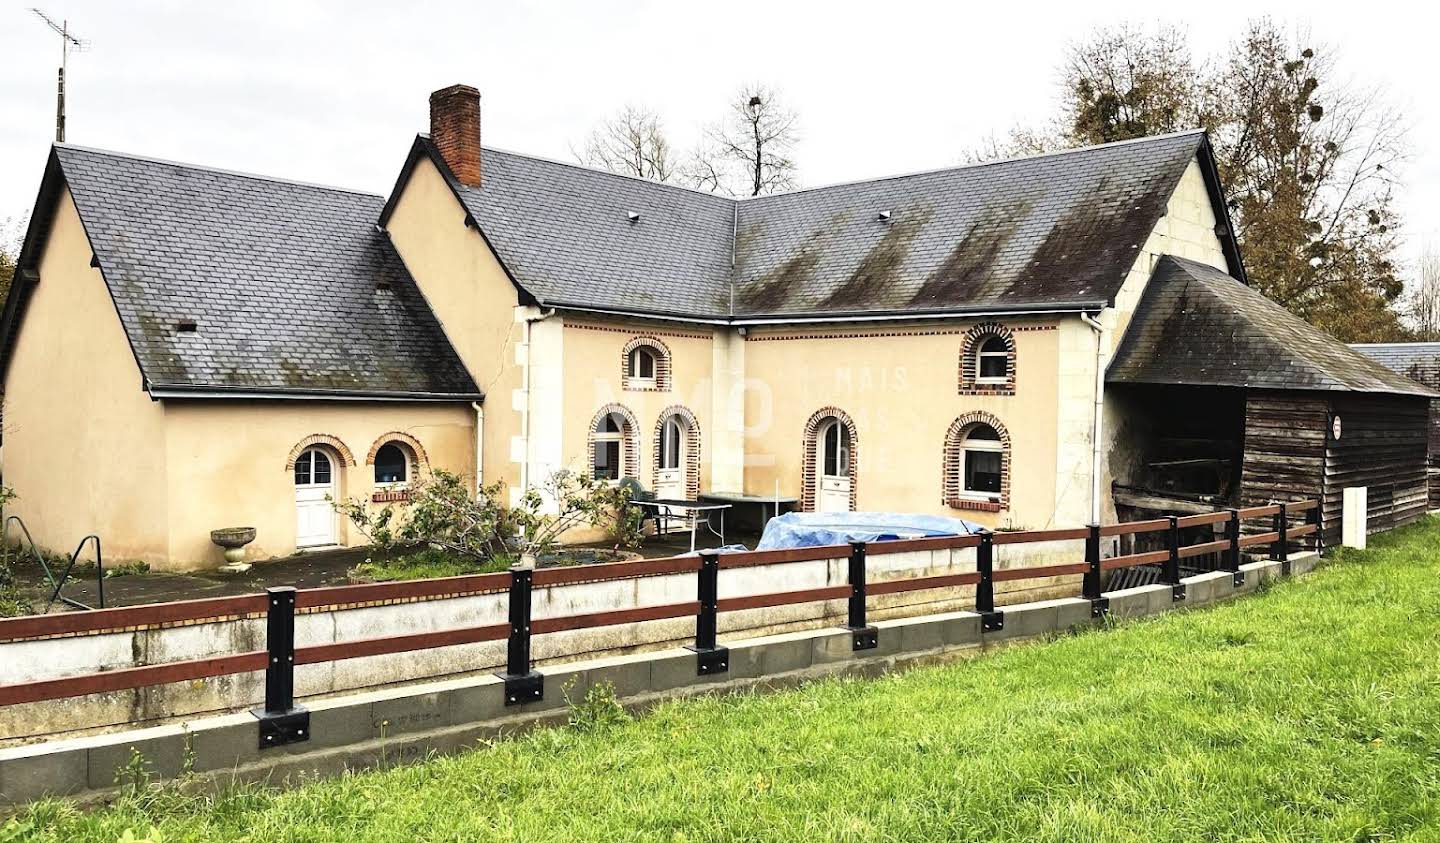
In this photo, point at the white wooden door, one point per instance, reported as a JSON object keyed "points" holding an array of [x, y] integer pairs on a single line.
{"points": [[315, 517], [832, 458], [671, 478]]}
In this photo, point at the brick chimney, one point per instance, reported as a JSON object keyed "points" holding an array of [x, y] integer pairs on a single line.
{"points": [[455, 130]]}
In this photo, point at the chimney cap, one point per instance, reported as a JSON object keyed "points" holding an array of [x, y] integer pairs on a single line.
{"points": [[633, 216]]}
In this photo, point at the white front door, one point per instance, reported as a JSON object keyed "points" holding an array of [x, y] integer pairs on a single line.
{"points": [[314, 515], [671, 480], [832, 457]]}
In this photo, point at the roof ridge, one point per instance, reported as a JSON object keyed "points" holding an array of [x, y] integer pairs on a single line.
{"points": [[849, 183], [596, 170], [208, 169], [978, 164]]}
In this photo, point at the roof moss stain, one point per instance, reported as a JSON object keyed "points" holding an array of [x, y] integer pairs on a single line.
{"points": [[965, 271], [875, 277]]}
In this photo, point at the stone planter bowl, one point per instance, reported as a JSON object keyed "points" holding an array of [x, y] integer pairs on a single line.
{"points": [[233, 539]]}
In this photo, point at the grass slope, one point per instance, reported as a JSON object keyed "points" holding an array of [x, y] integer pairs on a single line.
{"points": [[1308, 713]]}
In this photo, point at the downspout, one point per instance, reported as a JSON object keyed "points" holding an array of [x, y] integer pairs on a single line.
{"points": [[479, 446], [1096, 451], [525, 390]]}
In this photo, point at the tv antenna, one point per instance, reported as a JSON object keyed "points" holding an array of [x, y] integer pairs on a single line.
{"points": [[68, 42]]}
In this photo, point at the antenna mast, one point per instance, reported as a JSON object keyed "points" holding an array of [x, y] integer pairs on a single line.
{"points": [[68, 42]]}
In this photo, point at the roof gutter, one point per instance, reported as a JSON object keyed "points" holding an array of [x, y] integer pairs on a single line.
{"points": [[164, 391], [878, 316]]}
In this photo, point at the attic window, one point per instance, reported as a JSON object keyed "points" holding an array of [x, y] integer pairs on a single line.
{"points": [[187, 326], [382, 285], [633, 216]]}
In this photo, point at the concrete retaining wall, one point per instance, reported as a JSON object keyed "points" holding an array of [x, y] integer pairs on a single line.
{"points": [[24, 661], [398, 724]]}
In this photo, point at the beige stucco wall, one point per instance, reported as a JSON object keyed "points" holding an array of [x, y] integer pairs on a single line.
{"points": [[900, 386], [592, 362], [84, 444], [474, 300], [227, 464]]}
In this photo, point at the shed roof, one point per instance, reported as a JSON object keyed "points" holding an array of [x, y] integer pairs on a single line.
{"points": [[1196, 325], [1057, 230], [290, 287], [1418, 361]]}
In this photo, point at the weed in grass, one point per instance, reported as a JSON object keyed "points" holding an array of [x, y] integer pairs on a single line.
{"points": [[598, 709]]}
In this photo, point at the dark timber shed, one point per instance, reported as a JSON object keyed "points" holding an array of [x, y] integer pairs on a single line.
{"points": [[1228, 399], [1419, 361]]}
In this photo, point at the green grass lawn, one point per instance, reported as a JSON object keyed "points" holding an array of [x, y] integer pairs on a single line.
{"points": [[1311, 712]]}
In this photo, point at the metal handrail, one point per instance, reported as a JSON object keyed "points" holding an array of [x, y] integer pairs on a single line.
{"points": [[56, 584]]}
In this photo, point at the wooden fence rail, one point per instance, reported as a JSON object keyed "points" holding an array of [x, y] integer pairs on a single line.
{"points": [[284, 722]]}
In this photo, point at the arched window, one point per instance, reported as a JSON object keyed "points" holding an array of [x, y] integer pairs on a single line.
{"points": [[977, 463], [994, 361], [672, 442], [392, 464], [980, 461], [614, 448], [645, 365], [312, 468], [642, 365], [835, 448], [987, 360], [608, 448]]}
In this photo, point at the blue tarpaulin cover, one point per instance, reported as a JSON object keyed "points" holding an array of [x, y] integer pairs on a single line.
{"points": [[813, 529]]}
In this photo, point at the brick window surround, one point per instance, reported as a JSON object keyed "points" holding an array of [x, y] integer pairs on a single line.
{"points": [[661, 352], [692, 449], [332, 442], [629, 440], [951, 481], [419, 460], [810, 470], [970, 347]]}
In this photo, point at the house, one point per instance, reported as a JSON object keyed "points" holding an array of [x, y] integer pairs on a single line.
{"points": [[188, 348]]}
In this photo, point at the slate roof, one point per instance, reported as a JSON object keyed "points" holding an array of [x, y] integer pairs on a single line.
{"points": [[1418, 361], [1196, 325], [1059, 229], [292, 288]]}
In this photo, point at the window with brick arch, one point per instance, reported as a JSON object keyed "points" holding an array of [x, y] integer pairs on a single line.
{"points": [[609, 447], [976, 474], [987, 360], [981, 463]]}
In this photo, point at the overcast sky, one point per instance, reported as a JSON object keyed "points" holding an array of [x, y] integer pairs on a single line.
{"points": [[334, 92]]}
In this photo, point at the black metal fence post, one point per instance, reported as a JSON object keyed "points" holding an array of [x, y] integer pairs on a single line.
{"points": [[1232, 553], [281, 721], [1280, 550], [990, 620], [1170, 568], [863, 636], [522, 685], [1091, 587], [710, 657]]}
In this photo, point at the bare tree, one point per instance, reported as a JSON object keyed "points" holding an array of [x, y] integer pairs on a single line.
{"points": [[749, 151], [631, 143], [1423, 300]]}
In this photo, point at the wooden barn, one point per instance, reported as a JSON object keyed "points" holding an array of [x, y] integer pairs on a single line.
{"points": [[1419, 361], [1220, 397]]}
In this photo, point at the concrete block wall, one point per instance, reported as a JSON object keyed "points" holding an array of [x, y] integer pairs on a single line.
{"points": [[396, 725], [23, 661]]}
